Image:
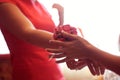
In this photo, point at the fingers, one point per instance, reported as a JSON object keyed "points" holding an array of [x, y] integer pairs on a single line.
{"points": [[95, 67], [57, 51], [91, 68], [81, 64], [71, 64], [66, 59], [58, 55], [62, 60], [57, 43], [68, 35], [75, 65], [102, 69]]}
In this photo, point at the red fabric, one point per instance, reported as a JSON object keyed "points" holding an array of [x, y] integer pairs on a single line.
{"points": [[5, 1], [4, 56], [30, 62]]}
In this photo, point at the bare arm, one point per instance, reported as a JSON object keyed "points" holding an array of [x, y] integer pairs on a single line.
{"points": [[81, 48], [19, 25], [111, 62]]}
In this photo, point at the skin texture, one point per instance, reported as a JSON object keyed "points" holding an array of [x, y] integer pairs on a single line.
{"points": [[81, 48], [22, 27], [81, 63]]}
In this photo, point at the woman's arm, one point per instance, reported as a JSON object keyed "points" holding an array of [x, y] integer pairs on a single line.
{"points": [[111, 62], [19, 25], [81, 48]]}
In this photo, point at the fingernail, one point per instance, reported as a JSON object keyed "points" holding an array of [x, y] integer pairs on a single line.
{"points": [[50, 57]]}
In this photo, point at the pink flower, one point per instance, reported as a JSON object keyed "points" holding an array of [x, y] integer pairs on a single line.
{"points": [[57, 34], [72, 64]]}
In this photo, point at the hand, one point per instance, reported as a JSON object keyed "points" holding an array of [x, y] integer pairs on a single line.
{"points": [[76, 65], [76, 48], [95, 67], [69, 39]]}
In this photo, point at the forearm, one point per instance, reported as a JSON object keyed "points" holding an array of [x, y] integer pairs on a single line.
{"points": [[39, 38], [20, 26], [110, 61]]}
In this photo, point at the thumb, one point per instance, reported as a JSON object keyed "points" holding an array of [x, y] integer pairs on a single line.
{"points": [[68, 35]]}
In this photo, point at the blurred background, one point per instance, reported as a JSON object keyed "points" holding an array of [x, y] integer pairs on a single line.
{"points": [[100, 23]]}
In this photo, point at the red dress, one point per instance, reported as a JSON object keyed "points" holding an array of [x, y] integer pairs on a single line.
{"points": [[30, 62]]}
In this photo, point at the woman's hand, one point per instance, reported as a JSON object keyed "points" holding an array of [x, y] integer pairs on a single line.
{"points": [[77, 47], [70, 50], [95, 67]]}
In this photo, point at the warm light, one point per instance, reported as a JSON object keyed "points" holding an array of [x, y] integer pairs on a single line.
{"points": [[99, 20]]}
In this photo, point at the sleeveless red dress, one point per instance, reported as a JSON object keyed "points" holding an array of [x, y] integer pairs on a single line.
{"points": [[30, 62]]}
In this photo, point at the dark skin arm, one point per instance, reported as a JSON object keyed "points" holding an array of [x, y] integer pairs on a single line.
{"points": [[81, 48], [81, 63]]}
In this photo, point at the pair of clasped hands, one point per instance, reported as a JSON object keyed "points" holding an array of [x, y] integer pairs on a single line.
{"points": [[73, 59]]}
